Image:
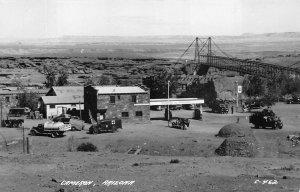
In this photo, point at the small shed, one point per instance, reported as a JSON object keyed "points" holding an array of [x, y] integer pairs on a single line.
{"points": [[55, 105]]}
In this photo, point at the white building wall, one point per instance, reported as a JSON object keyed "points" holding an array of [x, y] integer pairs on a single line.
{"points": [[57, 111]]}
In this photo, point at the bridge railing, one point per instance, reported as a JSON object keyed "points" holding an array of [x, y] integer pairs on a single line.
{"points": [[246, 66]]}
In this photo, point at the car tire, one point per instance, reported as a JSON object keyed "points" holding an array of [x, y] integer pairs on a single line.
{"points": [[53, 135], [95, 130], [32, 133], [73, 128]]}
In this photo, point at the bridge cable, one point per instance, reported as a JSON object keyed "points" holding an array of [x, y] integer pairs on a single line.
{"points": [[226, 54], [185, 51], [298, 62]]}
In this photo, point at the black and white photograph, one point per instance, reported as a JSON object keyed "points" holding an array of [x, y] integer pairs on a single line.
{"points": [[149, 95]]}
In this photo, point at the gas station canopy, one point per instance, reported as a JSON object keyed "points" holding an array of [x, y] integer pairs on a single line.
{"points": [[176, 101]]}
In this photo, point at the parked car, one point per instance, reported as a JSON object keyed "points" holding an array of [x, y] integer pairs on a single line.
{"points": [[188, 106], [105, 125], [76, 123], [293, 100], [18, 112], [175, 107], [265, 118], [156, 108]]}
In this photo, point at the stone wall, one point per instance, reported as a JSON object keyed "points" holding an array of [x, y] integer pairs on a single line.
{"points": [[123, 103]]}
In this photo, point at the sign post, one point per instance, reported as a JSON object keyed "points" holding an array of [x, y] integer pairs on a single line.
{"points": [[237, 95], [80, 115], [168, 103]]}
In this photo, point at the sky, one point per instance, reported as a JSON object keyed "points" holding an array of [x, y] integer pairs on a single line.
{"points": [[22, 19]]}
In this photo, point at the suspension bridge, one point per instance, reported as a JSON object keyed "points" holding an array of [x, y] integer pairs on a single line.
{"points": [[205, 57]]}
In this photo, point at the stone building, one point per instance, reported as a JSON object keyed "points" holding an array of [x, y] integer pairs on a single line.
{"points": [[131, 104], [9, 96]]}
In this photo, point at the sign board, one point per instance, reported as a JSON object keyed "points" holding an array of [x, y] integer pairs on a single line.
{"points": [[240, 89]]}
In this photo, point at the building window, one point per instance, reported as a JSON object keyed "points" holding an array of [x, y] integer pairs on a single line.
{"points": [[125, 114], [112, 99], [52, 106], [7, 99], [139, 113], [133, 98], [17, 97], [119, 97]]}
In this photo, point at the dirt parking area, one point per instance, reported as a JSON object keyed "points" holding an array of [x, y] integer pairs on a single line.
{"points": [[170, 159]]}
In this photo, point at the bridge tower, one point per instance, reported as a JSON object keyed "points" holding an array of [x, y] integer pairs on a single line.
{"points": [[197, 53], [209, 50], [202, 69]]}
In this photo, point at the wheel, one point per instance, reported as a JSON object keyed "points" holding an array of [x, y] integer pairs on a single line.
{"points": [[114, 128], [33, 133], [73, 128], [53, 135], [95, 130]]}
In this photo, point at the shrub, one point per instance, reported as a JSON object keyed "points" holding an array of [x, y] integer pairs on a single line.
{"points": [[87, 147], [174, 161]]}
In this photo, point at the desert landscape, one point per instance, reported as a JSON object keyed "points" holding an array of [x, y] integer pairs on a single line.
{"points": [[149, 95], [170, 159]]}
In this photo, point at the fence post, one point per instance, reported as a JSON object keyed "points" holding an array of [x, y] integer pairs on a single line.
{"points": [[28, 145], [24, 151]]}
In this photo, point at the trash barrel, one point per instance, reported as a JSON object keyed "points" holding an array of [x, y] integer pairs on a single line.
{"points": [[197, 114], [166, 115]]}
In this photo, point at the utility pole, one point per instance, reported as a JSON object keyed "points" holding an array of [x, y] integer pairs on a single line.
{"points": [[1, 114], [24, 148], [237, 95], [168, 103], [80, 115]]}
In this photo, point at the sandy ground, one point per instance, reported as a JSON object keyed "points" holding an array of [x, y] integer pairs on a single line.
{"points": [[53, 161]]}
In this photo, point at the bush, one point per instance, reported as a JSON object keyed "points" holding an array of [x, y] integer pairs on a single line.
{"points": [[87, 147], [174, 161]]}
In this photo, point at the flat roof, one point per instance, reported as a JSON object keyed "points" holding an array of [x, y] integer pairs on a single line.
{"points": [[174, 101], [119, 90]]}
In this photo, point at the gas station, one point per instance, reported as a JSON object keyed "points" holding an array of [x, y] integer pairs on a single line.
{"points": [[178, 101]]}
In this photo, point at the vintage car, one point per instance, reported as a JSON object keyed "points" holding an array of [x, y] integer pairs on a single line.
{"points": [[50, 128], [76, 123], [265, 118], [105, 125]]}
